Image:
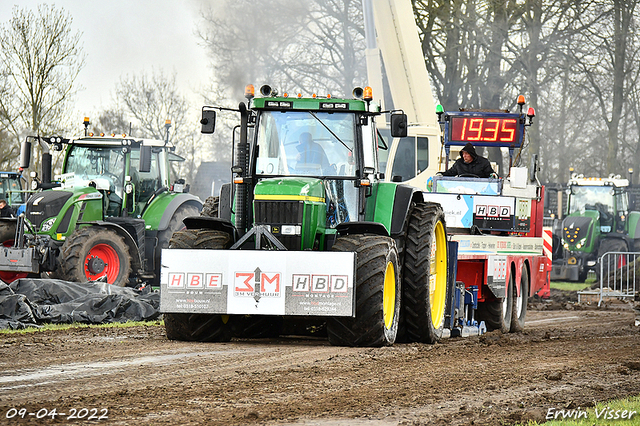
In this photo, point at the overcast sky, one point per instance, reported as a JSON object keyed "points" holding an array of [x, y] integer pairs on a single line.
{"points": [[121, 37]]}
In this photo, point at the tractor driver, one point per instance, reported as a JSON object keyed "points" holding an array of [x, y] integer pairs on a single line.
{"points": [[311, 153], [470, 163]]}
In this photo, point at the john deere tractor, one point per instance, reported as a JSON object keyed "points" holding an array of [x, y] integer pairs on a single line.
{"points": [[108, 217], [598, 221], [309, 231]]}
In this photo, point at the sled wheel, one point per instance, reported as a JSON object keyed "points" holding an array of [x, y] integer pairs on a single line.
{"points": [[424, 278], [497, 313], [519, 310], [378, 292], [199, 327], [94, 252], [7, 238]]}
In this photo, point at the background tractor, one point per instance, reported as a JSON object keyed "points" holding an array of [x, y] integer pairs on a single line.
{"points": [[108, 217], [12, 189], [597, 221]]}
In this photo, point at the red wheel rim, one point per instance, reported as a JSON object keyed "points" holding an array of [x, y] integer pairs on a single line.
{"points": [[102, 260], [9, 276]]}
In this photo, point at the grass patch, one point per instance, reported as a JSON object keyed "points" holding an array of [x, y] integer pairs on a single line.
{"points": [[49, 327], [567, 286], [607, 412], [571, 286]]}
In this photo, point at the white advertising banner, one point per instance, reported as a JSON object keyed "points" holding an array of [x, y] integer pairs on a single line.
{"points": [[257, 282]]}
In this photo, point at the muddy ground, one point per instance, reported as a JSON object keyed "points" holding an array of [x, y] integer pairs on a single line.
{"points": [[568, 357]]}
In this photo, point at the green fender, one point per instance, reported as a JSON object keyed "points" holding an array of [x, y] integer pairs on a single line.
{"points": [[392, 206], [159, 213], [633, 222]]}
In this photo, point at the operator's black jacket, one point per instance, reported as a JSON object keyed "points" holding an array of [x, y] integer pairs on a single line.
{"points": [[480, 166]]}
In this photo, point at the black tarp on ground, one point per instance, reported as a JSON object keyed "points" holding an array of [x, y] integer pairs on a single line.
{"points": [[28, 302]]}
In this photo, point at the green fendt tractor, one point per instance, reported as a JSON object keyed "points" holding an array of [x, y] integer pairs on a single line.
{"points": [[309, 231], [108, 217], [598, 221]]}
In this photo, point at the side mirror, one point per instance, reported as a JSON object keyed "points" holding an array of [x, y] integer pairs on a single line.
{"points": [[145, 159], [398, 124], [208, 121], [25, 154]]}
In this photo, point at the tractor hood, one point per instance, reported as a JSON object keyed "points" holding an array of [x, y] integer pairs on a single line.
{"points": [[577, 231], [290, 189], [46, 205], [294, 208]]}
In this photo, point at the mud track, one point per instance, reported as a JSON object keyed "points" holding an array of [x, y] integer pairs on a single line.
{"points": [[564, 359]]}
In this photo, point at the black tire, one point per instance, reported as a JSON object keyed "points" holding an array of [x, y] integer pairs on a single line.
{"points": [[164, 236], [426, 227], [519, 309], [211, 207], [93, 252], [610, 263], [496, 314], [583, 274], [375, 323], [199, 327], [258, 326]]}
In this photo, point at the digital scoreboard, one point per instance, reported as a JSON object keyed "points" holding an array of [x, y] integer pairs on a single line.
{"points": [[485, 129]]}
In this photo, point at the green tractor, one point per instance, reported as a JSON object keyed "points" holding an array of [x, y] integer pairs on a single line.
{"points": [[598, 221], [309, 236], [108, 218]]}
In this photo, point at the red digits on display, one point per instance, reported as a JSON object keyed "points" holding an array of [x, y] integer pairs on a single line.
{"points": [[511, 131]]}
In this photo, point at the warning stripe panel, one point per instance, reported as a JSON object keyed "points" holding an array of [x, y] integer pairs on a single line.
{"points": [[547, 242]]}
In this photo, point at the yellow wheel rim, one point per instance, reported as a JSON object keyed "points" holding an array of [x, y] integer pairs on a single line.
{"points": [[389, 295], [438, 277]]}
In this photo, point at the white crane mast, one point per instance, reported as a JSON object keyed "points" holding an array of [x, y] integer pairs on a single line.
{"points": [[393, 44]]}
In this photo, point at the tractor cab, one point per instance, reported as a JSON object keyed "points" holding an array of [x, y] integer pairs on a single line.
{"points": [[11, 189], [127, 172], [595, 206]]}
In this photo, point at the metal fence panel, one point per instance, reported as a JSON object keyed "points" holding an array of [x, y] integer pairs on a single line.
{"points": [[618, 276]]}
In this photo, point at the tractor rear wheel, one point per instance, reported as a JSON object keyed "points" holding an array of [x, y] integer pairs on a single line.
{"points": [[175, 224], [94, 252], [519, 309], [612, 261], [378, 293], [210, 207], [424, 278], [497, 313], [7, 238], [199, 327]]}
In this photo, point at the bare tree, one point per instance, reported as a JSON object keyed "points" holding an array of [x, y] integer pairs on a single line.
{"points": [[40, 58], [151, 100], [315, 46]]}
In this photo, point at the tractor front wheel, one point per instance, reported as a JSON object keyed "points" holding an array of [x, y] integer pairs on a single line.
{"points": [[199, 327], [92, 253], [378, 292]]}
